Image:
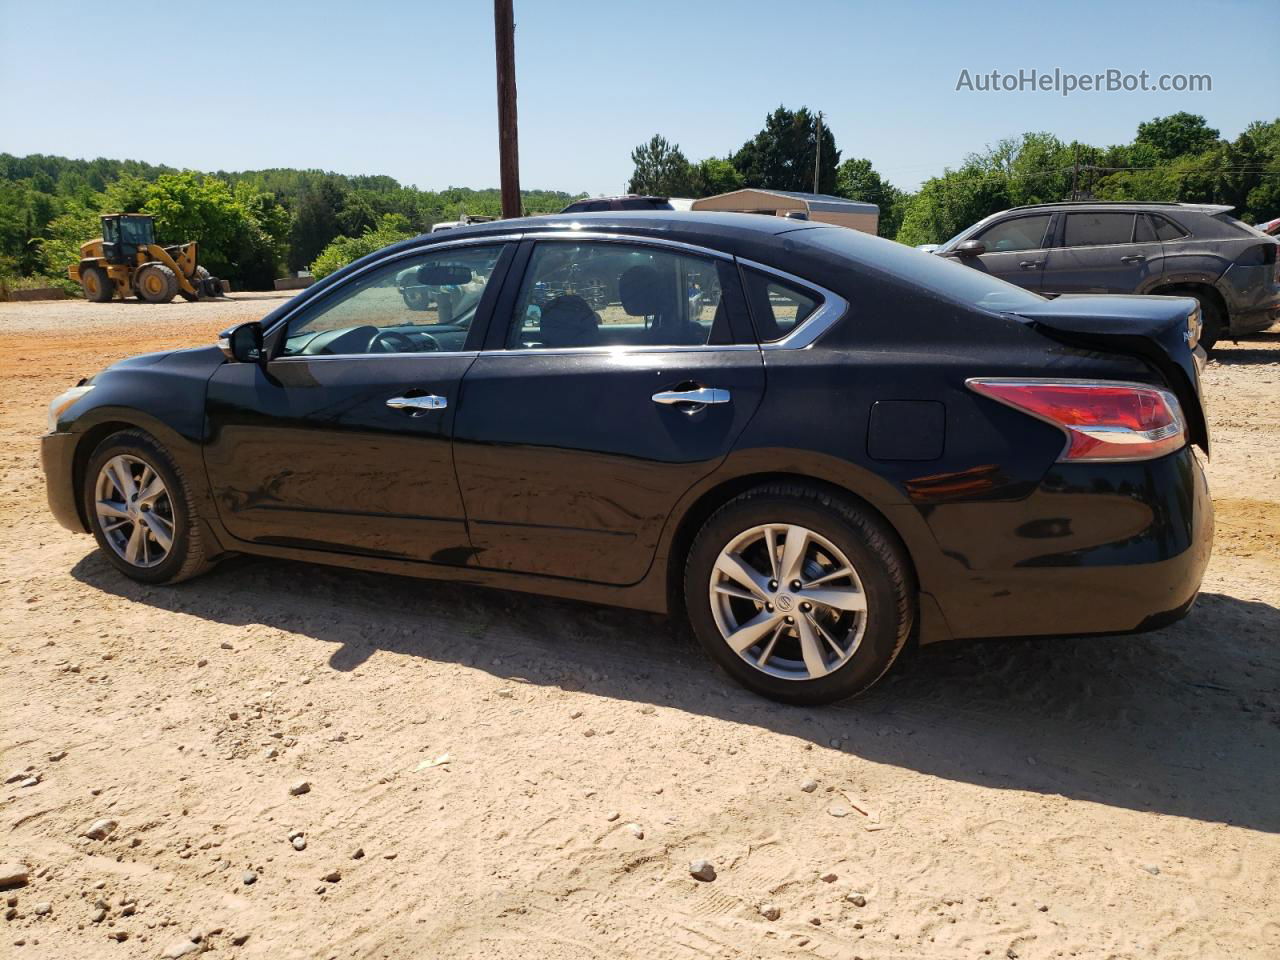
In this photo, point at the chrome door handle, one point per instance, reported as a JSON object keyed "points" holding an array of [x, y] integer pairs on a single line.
{"points": [[700, 396], [418, 404], [1136, 258], [1030, 264]]}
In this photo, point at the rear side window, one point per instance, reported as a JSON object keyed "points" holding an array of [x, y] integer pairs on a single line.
{"points": [[1096, 229], [1020, 233], [778, 307], [1166, 229]]}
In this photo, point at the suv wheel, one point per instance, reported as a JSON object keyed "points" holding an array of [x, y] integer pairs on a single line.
{"points": [[798, 595], [140, 510]]}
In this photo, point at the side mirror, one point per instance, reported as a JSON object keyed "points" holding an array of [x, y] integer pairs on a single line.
{"points": [[444, 275], [242, 343], [971, 248]]}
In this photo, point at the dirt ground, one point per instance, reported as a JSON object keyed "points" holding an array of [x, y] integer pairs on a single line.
{"points": [[1102, 798]]}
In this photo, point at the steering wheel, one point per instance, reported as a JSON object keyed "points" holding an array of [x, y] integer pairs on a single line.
{"points": [[393, 341]]}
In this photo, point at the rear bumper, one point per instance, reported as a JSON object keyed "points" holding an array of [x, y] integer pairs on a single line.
{"points": [[57, 456], [1107, 548]]}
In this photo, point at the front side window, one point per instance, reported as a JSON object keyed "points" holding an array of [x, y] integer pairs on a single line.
{"points": [[1097, 229], [606, 294], [418, 304], [1020, 233]]}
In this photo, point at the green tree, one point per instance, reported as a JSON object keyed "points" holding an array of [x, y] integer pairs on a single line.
{"points": [[713, 176], [857, 180], [1177, 134], [661, 169], [781, 156], [392, 228]]}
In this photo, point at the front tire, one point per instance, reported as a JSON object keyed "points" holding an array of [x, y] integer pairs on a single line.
{"points": [[155, 282], [800, 595], [141, 512]]}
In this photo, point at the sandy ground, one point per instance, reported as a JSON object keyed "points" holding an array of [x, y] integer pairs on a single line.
{"points": [[1115, 797]]}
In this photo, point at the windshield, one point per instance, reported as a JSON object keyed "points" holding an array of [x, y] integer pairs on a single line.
{"points": [[941, 275], [137, 230]]}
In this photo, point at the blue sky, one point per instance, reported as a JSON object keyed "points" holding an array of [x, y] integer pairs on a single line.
{"points": [[407, 88]]}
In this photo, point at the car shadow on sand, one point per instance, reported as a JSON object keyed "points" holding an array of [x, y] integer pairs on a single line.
{"points": [[1183, 721]]}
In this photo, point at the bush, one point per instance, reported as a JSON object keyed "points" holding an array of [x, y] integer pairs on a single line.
{"points": [[344, 250]]}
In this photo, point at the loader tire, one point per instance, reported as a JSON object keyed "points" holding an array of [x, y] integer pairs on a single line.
{"points": [[98, 287], [155, 283], [197, 280]]}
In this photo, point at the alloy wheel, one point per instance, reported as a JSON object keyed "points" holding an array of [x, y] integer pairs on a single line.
{"points": [[788, 601], [134, 510]]}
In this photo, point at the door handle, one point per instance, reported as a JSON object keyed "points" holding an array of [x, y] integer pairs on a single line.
{"points": [[1135, 258], [418, 405], [1031, 264], [699, 397]]}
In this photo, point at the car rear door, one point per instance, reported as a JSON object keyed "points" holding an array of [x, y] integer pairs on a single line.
{"points": [[617, 374], [342, 440], [1103, 252], [1016, 248]]}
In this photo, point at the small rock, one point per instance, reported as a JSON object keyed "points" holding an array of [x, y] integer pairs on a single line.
{"points": [[240, 939], [816, 921], [272, 753], [16, 776], [389, 856], [636, 830], [299, 788], [99, 829], [249, 877], [828, 878], [1043, 908], [575, 714], [333, 876], [769, 911], [225, 645], [857, 899], [647, 709], [10, 913], [703, 870], [99, 916], [42, 909], [233, 715], [1151, 868], [589, 732], [30, 781], [613, 815], [13, 875], [299, 843], [1011, 953], [839, 810], [55, 757], [809, 786], [506, 693], [358, 854], [179, 948], [202, 662], [119, 936]]}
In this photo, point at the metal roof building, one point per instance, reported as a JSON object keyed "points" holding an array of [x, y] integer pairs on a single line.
{"points": [[818, 207]]}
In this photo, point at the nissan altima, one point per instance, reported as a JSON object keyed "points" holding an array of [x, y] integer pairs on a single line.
{"points": [[814, 445]]}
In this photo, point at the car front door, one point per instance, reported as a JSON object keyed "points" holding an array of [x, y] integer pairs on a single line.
{"points": [[1015, 249], [341, 441], [1103, 252], [618, 373]]}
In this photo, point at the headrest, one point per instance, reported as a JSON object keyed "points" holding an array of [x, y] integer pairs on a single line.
{"points": [[642, 293]]}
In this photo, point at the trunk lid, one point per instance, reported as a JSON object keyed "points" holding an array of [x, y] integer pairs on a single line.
{"points": [[1157, 330]]}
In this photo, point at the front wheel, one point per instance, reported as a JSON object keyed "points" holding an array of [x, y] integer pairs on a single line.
{"points": [[799, 595], [140, 510]]}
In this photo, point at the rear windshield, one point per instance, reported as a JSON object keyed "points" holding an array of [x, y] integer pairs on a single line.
{"points": [[941, 275]]}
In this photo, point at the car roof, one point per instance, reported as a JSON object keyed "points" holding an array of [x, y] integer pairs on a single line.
{"points": [[711, 228]]}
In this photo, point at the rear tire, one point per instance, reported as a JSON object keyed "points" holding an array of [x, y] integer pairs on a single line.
{"points": [[818, 643], [151, 537], [98, 287], [155, 282]]}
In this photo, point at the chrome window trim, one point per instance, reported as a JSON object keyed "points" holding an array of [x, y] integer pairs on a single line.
{"points": [[376, 356], [621, 350], [832, 309], [478, 241], [639, 240]]}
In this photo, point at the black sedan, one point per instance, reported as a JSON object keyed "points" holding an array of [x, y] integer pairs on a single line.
{"points": [[815, 445]]}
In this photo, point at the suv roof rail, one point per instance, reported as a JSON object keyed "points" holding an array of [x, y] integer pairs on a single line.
{"points": [[1120, 203]]}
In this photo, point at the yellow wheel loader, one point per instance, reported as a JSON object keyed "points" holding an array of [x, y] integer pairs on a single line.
{"points": [[126, 261]]}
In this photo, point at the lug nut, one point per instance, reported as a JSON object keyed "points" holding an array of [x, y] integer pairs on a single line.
{"points": [[806, 607], [791, 619], [773, 584], [769, 607], [795, 584]]}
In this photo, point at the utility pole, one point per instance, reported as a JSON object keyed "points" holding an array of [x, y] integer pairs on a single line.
{"points": [[504, 35], [817, 154], [1075, 175]]}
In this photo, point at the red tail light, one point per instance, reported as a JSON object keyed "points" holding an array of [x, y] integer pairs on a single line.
{"points": [[1103, 420]]}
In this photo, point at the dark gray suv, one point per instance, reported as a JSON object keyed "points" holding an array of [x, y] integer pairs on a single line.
{"points": [[1169, 249]]}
